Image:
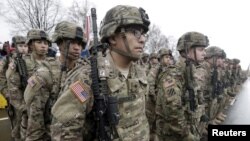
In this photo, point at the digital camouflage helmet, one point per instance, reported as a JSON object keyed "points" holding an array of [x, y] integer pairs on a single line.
{"points": [[164, 51], [192, 39], [122, 15], [37, 34], [236, 61], [18, 40], [153, 55], [67, 30], [215, 51]]}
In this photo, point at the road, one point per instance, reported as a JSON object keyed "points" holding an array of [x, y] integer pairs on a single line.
{"points": [[239, 112]]}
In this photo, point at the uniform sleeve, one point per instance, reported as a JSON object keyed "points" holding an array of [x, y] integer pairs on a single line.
{"points": [[36, 96], [3, 81], [151, 96], [170, 100], [70, 115]]}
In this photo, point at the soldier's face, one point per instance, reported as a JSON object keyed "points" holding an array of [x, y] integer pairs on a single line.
{"points": [[166, 60], [199, 52], [22, 48], [40, 47], [135, 37], [145, 59], [154, 61], [220, 62], [74, 51]]}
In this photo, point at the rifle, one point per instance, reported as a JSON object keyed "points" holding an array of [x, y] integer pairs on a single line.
{"points": [[9, 108], [214, 80], [189, 81], [10, 112], [21, 68], [190, 85], [105, 107]]}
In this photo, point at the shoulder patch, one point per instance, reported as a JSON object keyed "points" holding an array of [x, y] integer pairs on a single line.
{"points": [[80, 91], [32, 81]]}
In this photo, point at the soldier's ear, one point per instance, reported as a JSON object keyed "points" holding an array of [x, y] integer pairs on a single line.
{"points": [[112, 40]]}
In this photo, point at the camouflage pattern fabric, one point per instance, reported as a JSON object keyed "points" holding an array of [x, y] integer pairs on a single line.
{"points": [[131, 93], [16, 94], [40, 94], [3, 81], [69, 111], [200, 116], [211, 102], [151, 97], [170, 122]]}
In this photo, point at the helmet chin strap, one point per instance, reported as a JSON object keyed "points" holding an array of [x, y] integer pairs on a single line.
{"points": [[128, 53]]}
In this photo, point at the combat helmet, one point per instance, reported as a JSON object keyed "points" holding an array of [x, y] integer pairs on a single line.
{"points": [[236, 61], [164, 51], [214, 51], [122, 15], [68, 30], [18, 40], [37, 34], [192, 39], [145, 55], [153, 55]]}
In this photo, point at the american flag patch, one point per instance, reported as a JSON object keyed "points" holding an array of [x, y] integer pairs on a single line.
{"points": [[31, 81], [79, 90]]}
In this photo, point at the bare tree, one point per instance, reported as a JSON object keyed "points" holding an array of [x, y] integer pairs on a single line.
{"points": [[26, 14], [156, 39], [172, 44], [78, 12]]}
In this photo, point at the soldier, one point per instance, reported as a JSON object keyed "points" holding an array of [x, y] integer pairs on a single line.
{"points": [[226, 81], [74, 100], [4, 62], [153, 60], [124, 28], [179, 106], [214, 58], [164, 58], [143, 62], [15, 103], [22, 68], [40, 94]]}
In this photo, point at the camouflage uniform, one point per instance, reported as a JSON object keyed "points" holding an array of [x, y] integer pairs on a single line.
{"points": [[16, 89], [40, 94], [70, 110], [4, 62], [214, 90], [173, 96], [130, 90], [69, 113], [151, 98], [152, 65], [15, 101], [3, 82]]}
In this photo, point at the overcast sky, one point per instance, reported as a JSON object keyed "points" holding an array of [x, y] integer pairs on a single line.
{"points": [[225, 22]]}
